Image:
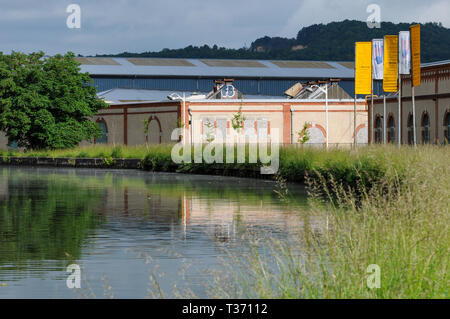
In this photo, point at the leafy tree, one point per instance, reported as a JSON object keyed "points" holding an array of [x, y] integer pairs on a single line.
{"points": [[45, 102]]}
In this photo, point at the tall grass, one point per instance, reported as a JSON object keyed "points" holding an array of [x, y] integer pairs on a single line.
{"points": [[92, 151], [401, 227]]}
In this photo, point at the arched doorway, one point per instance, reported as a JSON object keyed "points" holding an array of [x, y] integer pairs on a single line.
{"points": [[154, 131], [425, 128], [316, 135], [410, 130], [391, 129], [362, 134], [104, 138], [378, 129], [447, 127]]}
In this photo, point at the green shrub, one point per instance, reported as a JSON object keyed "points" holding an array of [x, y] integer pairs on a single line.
{"points": [[117, 152]]}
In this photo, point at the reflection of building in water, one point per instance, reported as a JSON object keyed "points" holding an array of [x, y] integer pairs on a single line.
{"points": [[139, 202], [221, 218]]}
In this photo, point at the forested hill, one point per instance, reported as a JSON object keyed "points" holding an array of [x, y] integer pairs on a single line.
{"points": [[333, 41]]}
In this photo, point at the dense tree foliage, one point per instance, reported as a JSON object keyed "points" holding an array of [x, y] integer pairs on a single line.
{"points": [[333, 41], [45, 102]]}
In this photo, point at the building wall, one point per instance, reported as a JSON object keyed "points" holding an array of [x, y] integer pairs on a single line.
{"points": [[340, 121], [3, 140], [431, 97], [278, 115], [125, 123]]}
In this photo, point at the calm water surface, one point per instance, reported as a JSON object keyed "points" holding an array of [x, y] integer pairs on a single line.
{"points": [[126, 227]]}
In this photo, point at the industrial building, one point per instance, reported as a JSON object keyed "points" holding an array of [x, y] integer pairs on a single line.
{"points": [[252, 77], [202, 115], [140, 111], [432, 109]]}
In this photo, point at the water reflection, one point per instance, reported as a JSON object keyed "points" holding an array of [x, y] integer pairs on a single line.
{"points": [[126, 226]]}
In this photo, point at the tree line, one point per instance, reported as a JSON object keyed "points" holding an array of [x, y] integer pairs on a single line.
{"points": [[333, 42]]}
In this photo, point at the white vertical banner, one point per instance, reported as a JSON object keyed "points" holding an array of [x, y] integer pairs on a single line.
{"points": [[404, 52], [377, 58]]}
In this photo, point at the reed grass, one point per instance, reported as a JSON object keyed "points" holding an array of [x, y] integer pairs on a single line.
{"points": [[401, 227]]}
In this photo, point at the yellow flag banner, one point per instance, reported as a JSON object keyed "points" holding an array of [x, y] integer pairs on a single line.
{"points": [[390, 70], [363, 68], [415, 54]]}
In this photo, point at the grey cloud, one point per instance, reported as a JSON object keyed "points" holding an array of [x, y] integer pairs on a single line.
{"points": [[139, 25]]}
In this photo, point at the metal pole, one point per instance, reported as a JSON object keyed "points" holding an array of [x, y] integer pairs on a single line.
{"points": [[292, 125], [384, 119], [326, 110], [371, 119], [399, 107], [184, 119], [414, 114], [354, 123]]}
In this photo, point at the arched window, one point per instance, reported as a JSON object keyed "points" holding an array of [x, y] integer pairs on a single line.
{"points": [[425, 128], [447, 128], [410, 130], [103, 127], [378, 129], [391, 129], [13, 145]]}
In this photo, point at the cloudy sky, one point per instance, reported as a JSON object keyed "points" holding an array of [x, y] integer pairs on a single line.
{"points": [[114, 26]]}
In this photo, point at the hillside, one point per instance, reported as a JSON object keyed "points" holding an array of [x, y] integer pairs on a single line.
{"points": [[333, 41]]}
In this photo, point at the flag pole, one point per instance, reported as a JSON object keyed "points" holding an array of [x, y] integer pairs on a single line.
{"points": [[399, 106], [371, 116], [414, 112], [384, 119], [354, 123], [354, 107]]}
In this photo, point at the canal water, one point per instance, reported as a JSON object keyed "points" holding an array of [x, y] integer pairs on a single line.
{"points": [[133, 234]]}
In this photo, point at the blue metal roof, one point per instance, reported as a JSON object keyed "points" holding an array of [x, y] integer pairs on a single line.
{"points": [[121, 95], [436, 63], [201, 68]]}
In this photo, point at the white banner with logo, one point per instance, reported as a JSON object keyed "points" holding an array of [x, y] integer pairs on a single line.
{"points": [[377, 58], [404, 52]]}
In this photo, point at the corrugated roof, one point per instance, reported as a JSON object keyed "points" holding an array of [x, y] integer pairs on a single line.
{"points": [[218, 68], [437, 63], [120, 95]]}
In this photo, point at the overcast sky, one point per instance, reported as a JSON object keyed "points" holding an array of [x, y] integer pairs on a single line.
{"points": [[114, 26]]}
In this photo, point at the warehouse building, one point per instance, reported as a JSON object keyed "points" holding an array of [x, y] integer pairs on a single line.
{"points": [[203, 115], [140, 111], [432, 111], [252, 77]]}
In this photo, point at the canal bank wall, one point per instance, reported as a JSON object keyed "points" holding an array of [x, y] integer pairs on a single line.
{"points": [[132, 163], [119, 163]]}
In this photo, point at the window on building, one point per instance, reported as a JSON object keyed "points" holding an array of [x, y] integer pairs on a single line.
{"points": [[249, 127], [410, 130], [103, 139], [13, 145], [378, 129], [425, 128], [262, 126], [221, 126], [447, 128], [391, 130]]}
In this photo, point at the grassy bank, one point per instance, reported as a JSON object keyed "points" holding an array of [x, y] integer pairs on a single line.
{"points": [[352, 168], [402, 228], [94, 151]]}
